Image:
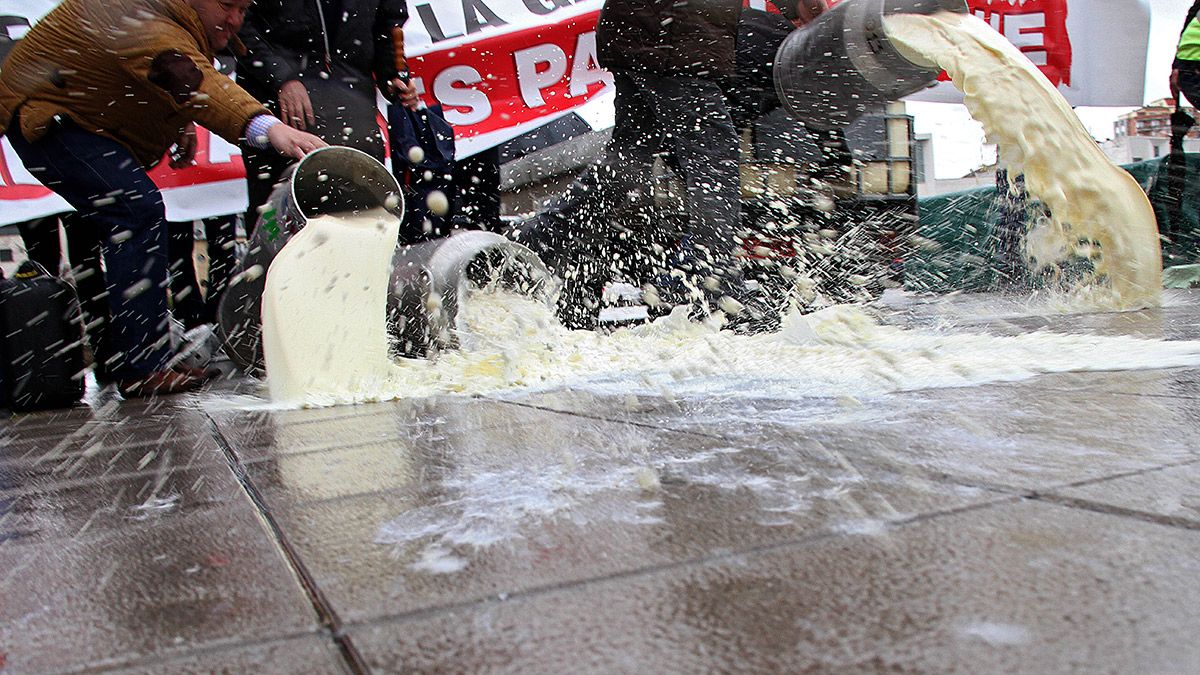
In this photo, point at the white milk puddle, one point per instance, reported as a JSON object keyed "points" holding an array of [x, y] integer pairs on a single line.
{"points": [[514, 344]]}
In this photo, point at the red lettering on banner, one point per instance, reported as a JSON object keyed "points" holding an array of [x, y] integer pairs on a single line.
{"points": [[517, 77]]}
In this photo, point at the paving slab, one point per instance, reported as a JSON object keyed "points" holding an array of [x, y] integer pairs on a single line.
{"points": [[110, 597], [102, 463], [1013, 436], [70, 509], [1017, 587], [1045, 525], [544, 505]]}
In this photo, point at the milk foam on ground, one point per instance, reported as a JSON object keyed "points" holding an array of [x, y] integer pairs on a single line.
{"points": [[1090, 199], [511, 343]]}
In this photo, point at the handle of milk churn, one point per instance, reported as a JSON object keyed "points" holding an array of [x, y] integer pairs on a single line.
{"points": [[398, 52]]}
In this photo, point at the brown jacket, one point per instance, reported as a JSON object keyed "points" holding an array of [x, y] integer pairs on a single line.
{"points": [[136, 71], [669, 37]]}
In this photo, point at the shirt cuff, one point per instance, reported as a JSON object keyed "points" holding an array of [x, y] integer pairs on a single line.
{"points": [[256, 131]]}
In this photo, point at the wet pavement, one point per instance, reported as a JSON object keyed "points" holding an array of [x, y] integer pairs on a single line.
{"points": [[1046, 525]]}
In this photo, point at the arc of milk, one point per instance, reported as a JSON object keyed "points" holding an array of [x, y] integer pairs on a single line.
{"points": [[324, 311], [1089, 197]]}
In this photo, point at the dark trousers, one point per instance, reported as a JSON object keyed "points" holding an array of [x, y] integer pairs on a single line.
{"points": [[686, 121], [1189, 84], [118, 206], [476, 185], [191, 306], [40, 237], [1189, 81]]}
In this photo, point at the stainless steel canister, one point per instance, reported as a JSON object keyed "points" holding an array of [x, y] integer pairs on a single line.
{"points": [[330, 180], [832, 71]]}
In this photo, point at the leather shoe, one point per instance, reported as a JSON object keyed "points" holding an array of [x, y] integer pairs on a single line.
{"points": [[161, 383]]}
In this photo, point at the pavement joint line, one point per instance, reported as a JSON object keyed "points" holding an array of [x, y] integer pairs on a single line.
{"points": [[700, 561], [1178, 522], [1172, 397], [212, 647], [1038, 493], [602, 418], [325, 611]]}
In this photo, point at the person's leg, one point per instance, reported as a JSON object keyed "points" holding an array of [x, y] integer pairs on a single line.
{"points": [[573, 233], [1189, 84], [222, 258], [476, 183], [86, 253], [187, 302], [705, 145], [113, 196], [263, 170], [40, 237]]}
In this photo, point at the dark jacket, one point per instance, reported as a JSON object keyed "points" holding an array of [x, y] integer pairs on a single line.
{"points": [[135, 71], [669, 37], [286, 40], [1186, 22]]}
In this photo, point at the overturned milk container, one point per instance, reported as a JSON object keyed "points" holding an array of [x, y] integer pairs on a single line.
{"points": [[427, 279]]}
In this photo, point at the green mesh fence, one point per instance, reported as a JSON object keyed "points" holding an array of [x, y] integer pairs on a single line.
{"points": [[967, 240]]}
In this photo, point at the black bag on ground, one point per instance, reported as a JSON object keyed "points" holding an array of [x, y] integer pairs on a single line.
{"points": [[41, 340]]}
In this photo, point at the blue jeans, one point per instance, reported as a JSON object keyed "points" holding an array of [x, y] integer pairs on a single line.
{"points": [[124, 209]]}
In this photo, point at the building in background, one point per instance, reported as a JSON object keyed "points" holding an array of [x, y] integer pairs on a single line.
{"points": [[1145, 134]]}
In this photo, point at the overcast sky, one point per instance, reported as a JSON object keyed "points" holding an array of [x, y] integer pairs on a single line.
{"points": [[958, 140]]}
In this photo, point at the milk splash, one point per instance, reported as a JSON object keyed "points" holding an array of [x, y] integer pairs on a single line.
{"points": [[1098, 211], [326, 340], [511, 343]]}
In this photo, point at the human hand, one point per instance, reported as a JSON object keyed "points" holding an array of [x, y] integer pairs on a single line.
{"points": [[185, 148], [291, 142], [807, 11], [406, 93], [295, 108], [1175, 85]]}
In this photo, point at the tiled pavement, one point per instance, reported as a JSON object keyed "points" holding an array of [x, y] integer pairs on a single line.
{"points": [[1050, 525]]}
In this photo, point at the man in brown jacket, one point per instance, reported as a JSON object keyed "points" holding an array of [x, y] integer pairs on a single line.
{"points": [[95, 94]]}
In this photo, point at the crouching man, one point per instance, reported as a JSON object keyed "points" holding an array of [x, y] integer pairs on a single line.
{"points": [[92, 97]]}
